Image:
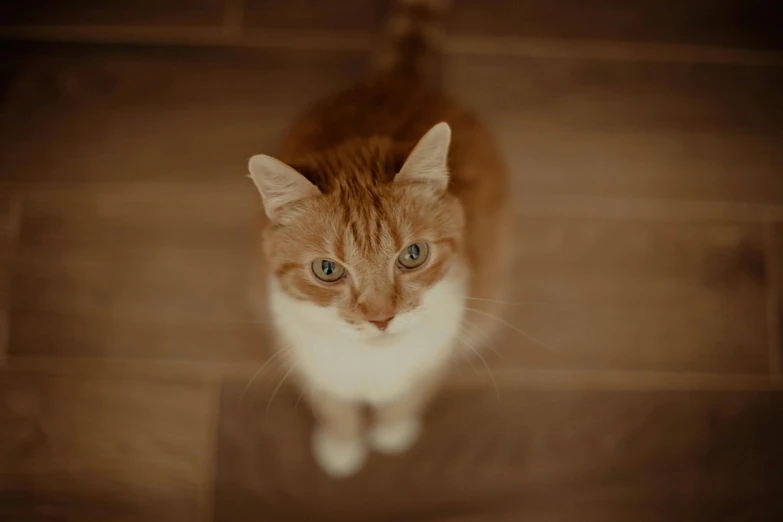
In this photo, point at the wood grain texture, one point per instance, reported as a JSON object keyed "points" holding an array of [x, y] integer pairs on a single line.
{"points": [[93, 449], [121, 271], [595, 95], [669, 131], [160, 115], [775, 301], [137, 237], [637, 295], [723, 22], [534, 455], [10, 208], [146, 13], [343, 16], [150, 272], [726, 23]]}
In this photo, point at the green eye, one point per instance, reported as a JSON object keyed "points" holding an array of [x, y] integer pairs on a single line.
{"points": [[328, 271], [414, 255]]}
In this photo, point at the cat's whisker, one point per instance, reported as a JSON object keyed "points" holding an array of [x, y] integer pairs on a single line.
{"points": [[515, 303], [299, 399], [484, 342], [491, 375], [261, 369], [475, 370], [469, 336], [240, 321], [513, 327], [274, 392]]}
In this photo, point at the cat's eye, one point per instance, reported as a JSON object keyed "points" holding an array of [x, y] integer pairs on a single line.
{"points": [[413, 256], [328, 271]]}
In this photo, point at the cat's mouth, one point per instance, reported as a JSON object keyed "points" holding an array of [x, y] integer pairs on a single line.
{"points": [[371, 333]]}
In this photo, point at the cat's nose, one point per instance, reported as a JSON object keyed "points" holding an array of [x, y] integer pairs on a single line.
{"points": [[382, 324]]}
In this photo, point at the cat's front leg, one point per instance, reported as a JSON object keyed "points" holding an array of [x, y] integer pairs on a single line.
{"points": [[397, 424], [338, 440]]}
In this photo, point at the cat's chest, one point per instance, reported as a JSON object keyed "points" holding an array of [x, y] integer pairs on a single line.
{"points": [[357, 372], [373, 371]]}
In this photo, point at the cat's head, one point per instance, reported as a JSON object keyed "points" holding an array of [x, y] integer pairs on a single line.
{"points": [[364, 244]]}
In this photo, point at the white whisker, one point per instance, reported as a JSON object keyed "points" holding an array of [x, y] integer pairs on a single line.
{"points": [[491, 375], [484, 341], [475, 370], [514, 303], [258, 372], [279, 384], [298, 399], [504, 322]]}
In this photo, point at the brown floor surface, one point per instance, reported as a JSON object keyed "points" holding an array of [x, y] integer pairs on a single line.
{"points": [[640, 377], [534, 454]]}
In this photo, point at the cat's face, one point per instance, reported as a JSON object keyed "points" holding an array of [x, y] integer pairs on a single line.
{"points": [[365, 257], [367, 263]]}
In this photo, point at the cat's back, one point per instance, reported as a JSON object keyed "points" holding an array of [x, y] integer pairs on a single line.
{"points": [[383, 106], [401, 110]]}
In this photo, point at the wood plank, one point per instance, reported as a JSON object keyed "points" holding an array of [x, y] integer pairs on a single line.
{"points": [[96, 449], [123, 272], [613, 456], [725, 23], [668, 131], [10, 208], [603, 95], [775, 300], [159, 272], [157, 115], [119, 269], [637, 295], [343, 16], [737, 23], [144, 13], [571, 127]]}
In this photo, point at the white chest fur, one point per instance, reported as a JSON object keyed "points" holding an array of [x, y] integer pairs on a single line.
{"points": [[335, 359]]}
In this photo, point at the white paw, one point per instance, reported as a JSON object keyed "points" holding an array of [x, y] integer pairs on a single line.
{"points": [[338, 458], [395, 438]]}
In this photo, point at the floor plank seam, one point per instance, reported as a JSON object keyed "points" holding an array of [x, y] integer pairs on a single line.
{"points": [[206, 372], [614, 51], [773, 263], [534, 204], [647, 209], [621, 380], [209, 472], [528, 47], [12, 230]]}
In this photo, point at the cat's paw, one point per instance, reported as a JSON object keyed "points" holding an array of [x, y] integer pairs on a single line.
{"points": [[338, 458], [395, 438]]}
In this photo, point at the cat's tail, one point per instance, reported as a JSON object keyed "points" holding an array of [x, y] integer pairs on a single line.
{"points": [[413, 38]]}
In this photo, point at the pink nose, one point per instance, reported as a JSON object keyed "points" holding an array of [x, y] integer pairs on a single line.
{"points": [[382, 324]]}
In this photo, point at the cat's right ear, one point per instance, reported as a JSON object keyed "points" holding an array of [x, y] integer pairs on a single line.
{"points": [[279, 184], [427, 162]]}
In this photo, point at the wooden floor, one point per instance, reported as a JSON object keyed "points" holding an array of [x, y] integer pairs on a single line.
{"points": [[640, 377]]}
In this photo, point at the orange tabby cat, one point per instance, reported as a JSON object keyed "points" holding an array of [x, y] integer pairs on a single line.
{"points": [[387, 210]]}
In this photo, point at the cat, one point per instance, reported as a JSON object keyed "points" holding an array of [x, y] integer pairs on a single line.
{"points": [[387, 210]]}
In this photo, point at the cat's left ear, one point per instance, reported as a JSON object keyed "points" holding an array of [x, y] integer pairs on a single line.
{"points": [[427, 163], [279, 184]]}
